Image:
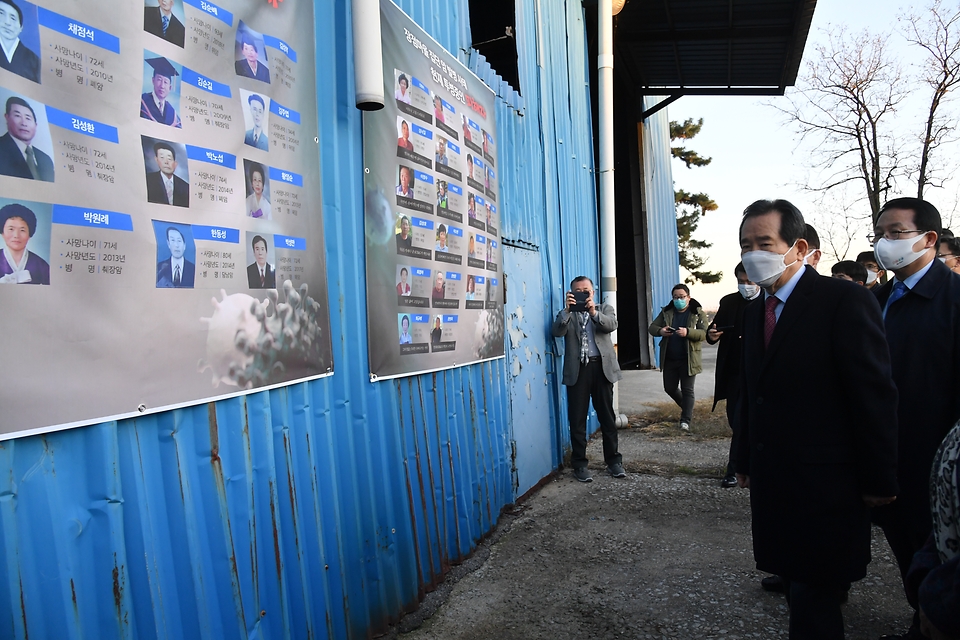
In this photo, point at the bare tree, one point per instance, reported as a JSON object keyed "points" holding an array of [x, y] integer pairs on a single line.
{"points": [[840, 221], [937, 31], [844, 106]]}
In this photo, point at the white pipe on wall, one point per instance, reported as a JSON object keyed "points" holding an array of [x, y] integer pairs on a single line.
{"points": [[608, 254], [608, 238], [367, 55]]}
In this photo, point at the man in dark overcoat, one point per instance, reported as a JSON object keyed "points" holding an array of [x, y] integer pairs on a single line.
{"points": [[921, 307], [816, 451]]}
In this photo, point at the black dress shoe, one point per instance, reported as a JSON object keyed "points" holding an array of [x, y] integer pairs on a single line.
{"points": [[729, 481], [774, 584]]}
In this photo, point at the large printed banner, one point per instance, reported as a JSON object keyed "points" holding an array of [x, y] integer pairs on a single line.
{"points": [[434, 292], [159, 203]]}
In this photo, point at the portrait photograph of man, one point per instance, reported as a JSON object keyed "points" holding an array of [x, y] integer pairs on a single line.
{"points": [[255, 118], [174, 249], [167, 179], [17, 56], [405, 181], [251, 55], [27, 130], [161, 97], [164, 19], [261, 274]]}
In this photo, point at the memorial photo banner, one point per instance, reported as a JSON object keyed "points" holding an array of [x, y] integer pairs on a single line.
{"points": [[160, 188], [432, 250]]}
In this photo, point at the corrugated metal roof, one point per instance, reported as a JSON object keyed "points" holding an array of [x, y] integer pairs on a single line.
{"points": [[712, 46]]}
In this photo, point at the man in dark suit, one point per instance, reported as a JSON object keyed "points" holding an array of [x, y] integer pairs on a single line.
{"points": [[261, 274], [161, 22], [154, 105], [727, 329], [176, 271], [256, 137], [18, 157], [590, 369], [921, 308], [250, 66], [816, 451], [163, 187], [15, 56]]}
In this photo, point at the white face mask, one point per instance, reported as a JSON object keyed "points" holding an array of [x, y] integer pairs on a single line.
{"points": [[806, 258], [749, 291], [896, 254], [764, 267], [872, 276]]}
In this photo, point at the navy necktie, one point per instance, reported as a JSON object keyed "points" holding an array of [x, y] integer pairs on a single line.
{"points": [[899, 290]]}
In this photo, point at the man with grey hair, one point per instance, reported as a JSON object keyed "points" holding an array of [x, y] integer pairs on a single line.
{"points": [[590, 368]]}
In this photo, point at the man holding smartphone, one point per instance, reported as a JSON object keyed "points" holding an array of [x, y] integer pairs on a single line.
{"points": [[590, 368]]}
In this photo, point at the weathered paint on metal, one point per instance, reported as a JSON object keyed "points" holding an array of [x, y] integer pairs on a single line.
{"points": [[661, 209], [322, 509]]}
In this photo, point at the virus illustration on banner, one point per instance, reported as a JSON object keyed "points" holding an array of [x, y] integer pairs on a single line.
{"points": [[248, 348]]}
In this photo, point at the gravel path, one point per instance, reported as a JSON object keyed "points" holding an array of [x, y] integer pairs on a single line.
{"points": [[649, 556]]}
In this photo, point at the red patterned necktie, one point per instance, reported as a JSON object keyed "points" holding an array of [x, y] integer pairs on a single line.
{"points": [[769, 319]]}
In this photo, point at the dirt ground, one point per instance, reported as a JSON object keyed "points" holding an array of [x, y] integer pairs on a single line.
{"points": [[662, 553]]}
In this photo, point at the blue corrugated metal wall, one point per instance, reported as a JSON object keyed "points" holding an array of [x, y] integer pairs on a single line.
{"points": [[321, 509], [661, 209]]}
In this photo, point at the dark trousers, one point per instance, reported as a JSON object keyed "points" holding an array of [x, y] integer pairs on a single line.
{"points": [[592, 384], [674, 376], [814, 611], [733, 397], [905, 537]]}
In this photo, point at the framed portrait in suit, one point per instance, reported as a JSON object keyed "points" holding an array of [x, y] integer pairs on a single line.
{"points": [[167, 171], [176, 255], [26, 146]]}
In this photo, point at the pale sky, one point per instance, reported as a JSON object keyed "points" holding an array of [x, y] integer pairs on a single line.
{"points": [[755, 154]]}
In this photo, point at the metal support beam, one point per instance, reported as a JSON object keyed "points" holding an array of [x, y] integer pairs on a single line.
{"points": [[660, 105]]}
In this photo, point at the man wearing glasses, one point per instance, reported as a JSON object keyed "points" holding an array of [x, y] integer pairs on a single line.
{"points": [[949, 253], [921, 311]]}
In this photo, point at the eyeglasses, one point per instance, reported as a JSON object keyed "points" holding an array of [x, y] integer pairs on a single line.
{"points": [[893, 234], [946, 256]]}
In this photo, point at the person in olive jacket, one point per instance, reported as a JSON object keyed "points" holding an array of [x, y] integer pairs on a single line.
{"points": [[683, 326]]}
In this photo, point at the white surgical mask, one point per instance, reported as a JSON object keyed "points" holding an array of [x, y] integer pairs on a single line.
{"points": [[764, 267], [872, 276], [943, 260], [749, 291], [806, 258], [896, 254]]}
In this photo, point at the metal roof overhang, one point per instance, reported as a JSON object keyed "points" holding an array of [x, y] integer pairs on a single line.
{"points": [[711, 47]]}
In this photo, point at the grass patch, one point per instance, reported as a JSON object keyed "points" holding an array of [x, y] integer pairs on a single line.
{"points": [[664, 417]]}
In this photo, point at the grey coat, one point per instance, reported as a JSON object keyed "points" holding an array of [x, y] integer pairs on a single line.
{"points": [[604, 323]]}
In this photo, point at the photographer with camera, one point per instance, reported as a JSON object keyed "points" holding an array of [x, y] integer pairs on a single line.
{"points": [[590, 368], [683, 325]]}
